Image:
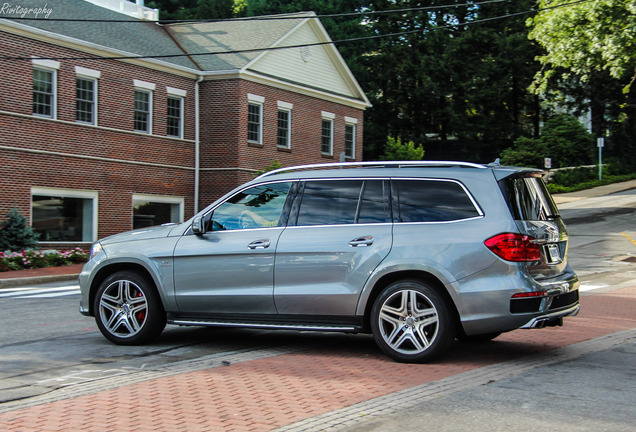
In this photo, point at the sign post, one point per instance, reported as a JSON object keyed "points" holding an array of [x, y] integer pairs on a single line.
{"points": [[600, 143]]}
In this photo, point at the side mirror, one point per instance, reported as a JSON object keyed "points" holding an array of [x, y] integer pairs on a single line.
{"points": [[198, 225]]}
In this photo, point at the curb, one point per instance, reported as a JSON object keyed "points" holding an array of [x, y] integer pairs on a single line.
{"points": [[36, 280]]}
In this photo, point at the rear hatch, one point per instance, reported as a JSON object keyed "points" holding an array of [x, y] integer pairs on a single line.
{"points": [[536, 215]]}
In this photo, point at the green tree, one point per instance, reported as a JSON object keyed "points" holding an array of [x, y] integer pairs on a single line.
{"points": [[15, 235], [195, 9], [563, 139], [585, 40], [396, 150]]}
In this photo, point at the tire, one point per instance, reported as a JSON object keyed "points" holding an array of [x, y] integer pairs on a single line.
{"points": [[411, 322], [128, 310]]}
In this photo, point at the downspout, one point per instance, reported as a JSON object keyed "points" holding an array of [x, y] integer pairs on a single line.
{"points": [[197, 144]]}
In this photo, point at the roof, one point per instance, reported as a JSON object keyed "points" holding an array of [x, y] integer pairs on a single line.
{"points": [[189, 42], [232, 35]]}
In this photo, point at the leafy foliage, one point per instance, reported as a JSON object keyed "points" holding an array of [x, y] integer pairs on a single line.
{"points": [[396, 150], [30, 259], [15, 235], [563, 139], [594, 43]]}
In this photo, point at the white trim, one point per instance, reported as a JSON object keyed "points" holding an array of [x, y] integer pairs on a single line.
{"points": [[95, 99], [31, 116], [53, 72], [285, 106], [89, 73], [330, 120], [176, 92], [327, 115], [144, 85], [71, 193], [181, 114], [50, 64], [164, 199], [150, 110], [252, 98], [354, 144], [351, 120], [256, 101]]}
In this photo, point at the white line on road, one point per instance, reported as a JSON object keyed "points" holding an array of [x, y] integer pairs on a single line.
{"points": [[37, 292]]}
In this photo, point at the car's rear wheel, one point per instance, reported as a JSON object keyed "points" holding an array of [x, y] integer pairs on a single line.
{"points": [[411, 322], [128, 310]]}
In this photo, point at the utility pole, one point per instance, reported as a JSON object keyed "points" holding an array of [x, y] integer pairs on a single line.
{"points": [[600, 143]]}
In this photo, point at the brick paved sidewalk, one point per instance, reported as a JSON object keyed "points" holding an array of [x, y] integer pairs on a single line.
{"points": [[269, 393]]}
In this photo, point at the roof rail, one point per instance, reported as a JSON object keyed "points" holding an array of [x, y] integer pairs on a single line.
{"points": [[381, 164]]}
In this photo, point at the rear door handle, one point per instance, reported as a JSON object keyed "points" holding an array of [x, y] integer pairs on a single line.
{"points": [[361, 241], [259, 244]]}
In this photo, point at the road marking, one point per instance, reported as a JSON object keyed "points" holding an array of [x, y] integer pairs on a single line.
{"points": [[38, 292], [586, 287], [629, 238]]}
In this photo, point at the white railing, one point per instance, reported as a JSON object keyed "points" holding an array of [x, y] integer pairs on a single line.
{"points": [[129, 8]]}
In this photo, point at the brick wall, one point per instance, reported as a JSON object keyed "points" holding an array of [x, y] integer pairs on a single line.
{"points": [[116, 162]]}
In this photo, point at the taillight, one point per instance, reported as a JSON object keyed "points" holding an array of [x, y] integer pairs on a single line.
{"points": [[514, 247]]}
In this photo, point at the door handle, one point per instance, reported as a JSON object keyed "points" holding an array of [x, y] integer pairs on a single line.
{"points": [[259, 244], [361, 241]]}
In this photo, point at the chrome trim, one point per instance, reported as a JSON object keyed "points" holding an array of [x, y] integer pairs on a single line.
{"points": [[539, 321], [386, 164], [264, 326]]}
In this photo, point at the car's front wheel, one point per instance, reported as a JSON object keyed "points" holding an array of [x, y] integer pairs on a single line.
{"points": [[128, 310], [411, 322]]}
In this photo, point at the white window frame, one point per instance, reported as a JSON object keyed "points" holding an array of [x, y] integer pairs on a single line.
{"points": [[285, 107], [89, 75], [52, 67], [181, 123], [327, 117], [353, 123], [71, 193], [258, 101], [149, 88], [163, 199]]}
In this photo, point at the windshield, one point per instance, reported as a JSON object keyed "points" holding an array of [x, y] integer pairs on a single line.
{"points": [[528, 198]]}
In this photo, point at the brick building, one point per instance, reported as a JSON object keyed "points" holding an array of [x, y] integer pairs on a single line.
{"points": [[98, 135]]}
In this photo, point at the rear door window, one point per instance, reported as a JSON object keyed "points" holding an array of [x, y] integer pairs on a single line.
{"points": [[431, 200], [341, 202]]}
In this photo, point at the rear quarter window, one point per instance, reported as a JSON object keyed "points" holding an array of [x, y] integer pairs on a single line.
{"points": [[528, 198], [431, 201]]}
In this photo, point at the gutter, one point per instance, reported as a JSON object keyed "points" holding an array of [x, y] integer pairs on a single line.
{"points": [[197, 144]]}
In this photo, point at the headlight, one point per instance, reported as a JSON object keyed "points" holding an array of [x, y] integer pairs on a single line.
{"points": [[97, 248]]}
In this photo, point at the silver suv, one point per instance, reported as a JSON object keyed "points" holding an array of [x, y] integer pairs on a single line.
{"points": [[416, 253]]}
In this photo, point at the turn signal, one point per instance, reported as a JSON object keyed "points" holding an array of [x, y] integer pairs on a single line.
{"points": [[514, 247]]}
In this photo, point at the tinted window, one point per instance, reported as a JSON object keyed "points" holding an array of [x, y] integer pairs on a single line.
{"points": [[431, 201], [337, 202], [528, 198], [374, 207], [257, 207], [329, 202]]}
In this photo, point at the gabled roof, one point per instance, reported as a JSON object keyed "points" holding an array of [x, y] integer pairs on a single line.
{"points": [[199, 46]]}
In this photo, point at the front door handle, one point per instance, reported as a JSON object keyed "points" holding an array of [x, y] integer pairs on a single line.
{"points": [[361, 241], [259, 244]]}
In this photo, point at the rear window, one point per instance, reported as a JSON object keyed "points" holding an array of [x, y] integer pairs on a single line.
{"points": [[528, 198], [431, 201]]}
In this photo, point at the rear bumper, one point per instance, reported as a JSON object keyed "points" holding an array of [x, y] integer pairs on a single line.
{"points": [[552, 318]]}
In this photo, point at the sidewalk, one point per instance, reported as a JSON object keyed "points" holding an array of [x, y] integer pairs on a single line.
{"points": [[17, 278]]}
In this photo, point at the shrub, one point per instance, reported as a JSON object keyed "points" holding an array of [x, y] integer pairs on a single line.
{"points": [[30, 259], [396, 150], [15, 235]]}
